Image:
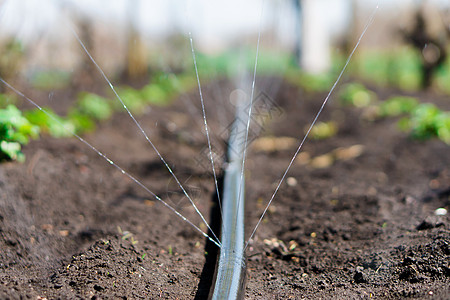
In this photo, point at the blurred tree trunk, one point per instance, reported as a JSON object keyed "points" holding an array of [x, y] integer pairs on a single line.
{"points": [[136, 56], [137, 60], [433, 49], [84, 74], [354, 28], [315, 43]]}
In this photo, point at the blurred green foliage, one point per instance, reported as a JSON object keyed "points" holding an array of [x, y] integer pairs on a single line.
{"points": [[88, 109], [48, 121], [423, 120], [356, 94], [270, 63], [397, 106], [15, 131], [236, 62], [93, 106], [161, 91], [310, 82], [442, 76], [132, 99], [323, 130], [225, 64], [164, 87], [81, 122], [400, 68], [427, 121]]}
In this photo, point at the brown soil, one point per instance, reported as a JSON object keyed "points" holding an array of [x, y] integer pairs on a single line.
{"points": [[72, 226]]}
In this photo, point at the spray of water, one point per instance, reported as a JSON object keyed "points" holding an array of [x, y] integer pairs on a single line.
{"points": [[316, 117], [145, 134], [101, 154], [214, 238]]}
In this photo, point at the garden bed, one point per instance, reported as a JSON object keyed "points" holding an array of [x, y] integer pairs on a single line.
{"points": [[344, 224]]}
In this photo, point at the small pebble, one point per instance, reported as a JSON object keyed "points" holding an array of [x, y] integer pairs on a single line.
{"points": [[171, 126], [291, 181], [409, 200], [440, 211]]}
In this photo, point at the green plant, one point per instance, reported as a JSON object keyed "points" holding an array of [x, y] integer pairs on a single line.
{"points": [[423, 120], [405, 69], [356, 94], [163, 88], [323, 130], [233, 62], [15, 131], [93, 106], [223, 64], [154, 94], [309, 82], [397, 105], [50, 122], [132, 98], [443, 127], [400, 67], [159, 92], [81, 122], [373, 66], [428, 121]]}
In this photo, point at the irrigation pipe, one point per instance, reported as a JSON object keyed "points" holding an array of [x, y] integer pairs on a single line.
{"points": [[231, 268]]}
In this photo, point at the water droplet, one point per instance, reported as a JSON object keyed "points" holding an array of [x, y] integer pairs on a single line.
{"points": [[440, 211]]}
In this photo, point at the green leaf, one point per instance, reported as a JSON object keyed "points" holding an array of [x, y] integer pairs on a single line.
{"points": [[50, 122], [12, 150], [425, 120], [442, 123], [82, 123], [397, 106], [323, 130], [132, 99], [154, 94], [94, 106], [357, 95], [15, 130]]}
